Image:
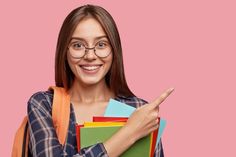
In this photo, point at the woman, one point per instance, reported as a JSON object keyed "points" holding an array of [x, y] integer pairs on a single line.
{"points": [[89, 66]]}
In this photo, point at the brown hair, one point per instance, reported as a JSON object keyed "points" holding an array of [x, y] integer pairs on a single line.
{"points": [[115, 78]]}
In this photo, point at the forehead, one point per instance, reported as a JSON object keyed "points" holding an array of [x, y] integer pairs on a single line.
{"points": [[88, 29]]}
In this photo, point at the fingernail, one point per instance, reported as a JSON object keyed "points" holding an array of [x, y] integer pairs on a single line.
{"points": [[172, 89]]}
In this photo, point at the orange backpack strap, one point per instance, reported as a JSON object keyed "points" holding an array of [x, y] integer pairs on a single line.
{"points": [[20, 145], [60, 112]]}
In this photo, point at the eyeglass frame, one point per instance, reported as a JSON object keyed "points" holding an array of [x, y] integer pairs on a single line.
{"points": [[87, 50]]}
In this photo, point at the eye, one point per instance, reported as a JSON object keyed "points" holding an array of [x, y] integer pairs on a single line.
{"points": [[102, 44], [77, 45]]}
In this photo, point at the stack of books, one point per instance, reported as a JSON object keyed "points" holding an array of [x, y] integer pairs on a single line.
{"points": [[102, 128]]}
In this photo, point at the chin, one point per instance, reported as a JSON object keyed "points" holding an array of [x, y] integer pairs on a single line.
{"points": [[91, 81]]}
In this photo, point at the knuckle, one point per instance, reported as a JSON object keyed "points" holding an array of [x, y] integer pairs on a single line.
{"points": [[162, 97], [157, 120], [154, 116]]}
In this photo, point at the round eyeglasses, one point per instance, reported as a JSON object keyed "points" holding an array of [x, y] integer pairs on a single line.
{"points": [[77, 49]]}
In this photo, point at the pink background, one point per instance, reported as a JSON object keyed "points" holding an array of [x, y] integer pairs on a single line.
{"points": [[187, 44]]}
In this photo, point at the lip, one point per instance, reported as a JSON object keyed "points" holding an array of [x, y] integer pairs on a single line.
{"points": [[90, 64], [92, 71]]}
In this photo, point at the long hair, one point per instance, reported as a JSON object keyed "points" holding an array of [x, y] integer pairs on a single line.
{"points": [[115, 78]]}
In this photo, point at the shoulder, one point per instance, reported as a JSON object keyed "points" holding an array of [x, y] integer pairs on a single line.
{"points": [[42, 95], [41, 100], [131, 100]]}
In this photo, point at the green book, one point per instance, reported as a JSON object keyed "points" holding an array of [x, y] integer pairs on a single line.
{"points": [[93, 135]]}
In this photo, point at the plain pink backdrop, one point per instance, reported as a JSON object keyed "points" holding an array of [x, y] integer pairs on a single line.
{"points": [[187, 44]]}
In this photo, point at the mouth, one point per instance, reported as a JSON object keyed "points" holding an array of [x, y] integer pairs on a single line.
{"points": [[90, 68]]}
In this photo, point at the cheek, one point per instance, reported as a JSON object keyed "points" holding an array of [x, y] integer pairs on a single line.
{"points": [[109, 62], [72, 64]]}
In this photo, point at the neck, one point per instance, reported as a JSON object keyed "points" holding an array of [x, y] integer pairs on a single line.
{"points": [[90, 93]]}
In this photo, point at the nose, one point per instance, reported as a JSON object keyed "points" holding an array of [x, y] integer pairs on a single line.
{"points": [[90, 54]]}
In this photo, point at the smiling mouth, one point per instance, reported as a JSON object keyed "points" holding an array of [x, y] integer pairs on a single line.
{"points": [[90, 67]]}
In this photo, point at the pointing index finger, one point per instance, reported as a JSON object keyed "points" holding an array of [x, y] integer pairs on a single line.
{"points": [[163, 96]]}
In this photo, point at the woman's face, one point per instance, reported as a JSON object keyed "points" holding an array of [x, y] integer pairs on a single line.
{"points": [[89, 69]]}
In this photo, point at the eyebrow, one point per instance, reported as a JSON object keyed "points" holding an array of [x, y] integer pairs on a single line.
{"points": [[96, 38]]}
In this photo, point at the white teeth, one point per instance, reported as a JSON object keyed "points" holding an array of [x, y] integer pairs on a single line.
{"points": [[90, 67]]}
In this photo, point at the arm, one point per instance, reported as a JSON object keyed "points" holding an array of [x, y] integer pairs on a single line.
{"points": [[43, 138], [142, 122]]}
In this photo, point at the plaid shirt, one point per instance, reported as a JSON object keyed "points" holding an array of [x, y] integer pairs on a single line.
{"points": [[43, 138]]}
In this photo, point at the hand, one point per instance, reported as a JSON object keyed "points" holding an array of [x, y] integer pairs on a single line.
{"points": [[145, 119]]}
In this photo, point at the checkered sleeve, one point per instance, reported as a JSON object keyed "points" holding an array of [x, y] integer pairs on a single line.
{"points": [[43, 138], [97, 150]]}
